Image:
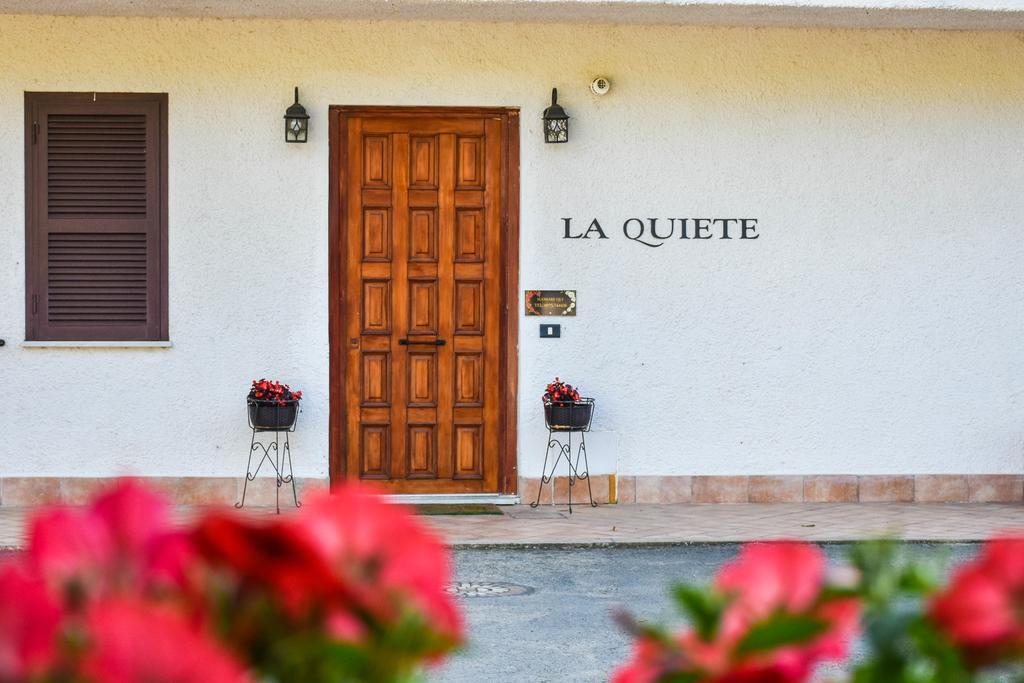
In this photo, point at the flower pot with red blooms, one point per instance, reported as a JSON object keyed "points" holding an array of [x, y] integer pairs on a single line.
{"points": [[273, 407], [565, 410]]}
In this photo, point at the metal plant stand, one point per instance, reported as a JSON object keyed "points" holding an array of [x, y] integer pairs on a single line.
{"points": [[563, 420], [277, 453]]}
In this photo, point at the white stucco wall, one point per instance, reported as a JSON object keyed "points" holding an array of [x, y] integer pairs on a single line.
{"points": [[875, 326]]}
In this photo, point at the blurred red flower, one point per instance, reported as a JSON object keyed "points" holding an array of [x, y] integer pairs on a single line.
{"points": [[29, 621], [787, 577], [123, 541], [385, 553], [767, 583], [271, 556], [67, 545], [132, 641], [982, 608], [114, 593], [651, 660]]}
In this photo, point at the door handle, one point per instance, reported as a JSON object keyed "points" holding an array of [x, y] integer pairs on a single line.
{"points": [[411, 342]]}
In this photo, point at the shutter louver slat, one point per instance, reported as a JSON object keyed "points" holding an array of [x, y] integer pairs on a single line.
{"points": [[77, 264], [97, 166]]}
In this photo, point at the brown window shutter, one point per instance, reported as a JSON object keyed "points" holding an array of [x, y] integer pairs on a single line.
{"points": [[96, 214]]}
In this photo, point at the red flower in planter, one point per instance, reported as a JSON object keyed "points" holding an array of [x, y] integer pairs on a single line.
{"points": [[982, 609], [273, 392], [775, 625], [560, 392]]}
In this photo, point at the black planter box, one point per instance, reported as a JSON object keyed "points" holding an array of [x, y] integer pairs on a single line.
{"points": [[569, 415], [267, 416]]}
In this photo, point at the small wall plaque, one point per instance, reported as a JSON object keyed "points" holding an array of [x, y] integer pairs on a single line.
{"points": [[551, 302]]}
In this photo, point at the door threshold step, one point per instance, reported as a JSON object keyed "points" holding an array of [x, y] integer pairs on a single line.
{"points": [[454, 498]]}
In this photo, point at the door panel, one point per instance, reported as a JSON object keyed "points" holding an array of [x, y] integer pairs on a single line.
{"points": [[421, 329]]}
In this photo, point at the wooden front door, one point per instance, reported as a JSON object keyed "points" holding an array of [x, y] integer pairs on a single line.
{"points": [[420, 343]]}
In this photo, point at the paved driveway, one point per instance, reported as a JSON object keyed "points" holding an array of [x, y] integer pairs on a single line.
{"points": [[561, 631]]}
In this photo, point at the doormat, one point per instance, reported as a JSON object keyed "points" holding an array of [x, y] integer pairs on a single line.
{"points": [[464, 509]]}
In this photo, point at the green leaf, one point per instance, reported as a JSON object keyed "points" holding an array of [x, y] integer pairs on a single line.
{"points": [[678, 677], [704, 607], [780, 630], [919, 579], [941, 653], [881, 566], [830, 593]]}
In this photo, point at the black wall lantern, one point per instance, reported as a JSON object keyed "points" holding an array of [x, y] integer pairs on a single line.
{"points": [[296, 121], [556, 121]]}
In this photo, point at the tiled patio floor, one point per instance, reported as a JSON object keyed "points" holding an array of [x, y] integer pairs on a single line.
{"points": [[731, 523], [625, 524]]}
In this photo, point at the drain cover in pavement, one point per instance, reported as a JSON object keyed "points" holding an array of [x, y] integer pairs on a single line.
{"points": [[487, 589]]}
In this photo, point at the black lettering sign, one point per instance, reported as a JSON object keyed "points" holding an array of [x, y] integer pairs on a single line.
{"points": [[654, 232]]}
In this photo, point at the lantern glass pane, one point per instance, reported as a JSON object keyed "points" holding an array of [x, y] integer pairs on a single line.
{"points": [[556, 130], [296, 130]]}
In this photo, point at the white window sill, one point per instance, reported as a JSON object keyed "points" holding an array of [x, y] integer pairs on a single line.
{"points": [[96, 345]]}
